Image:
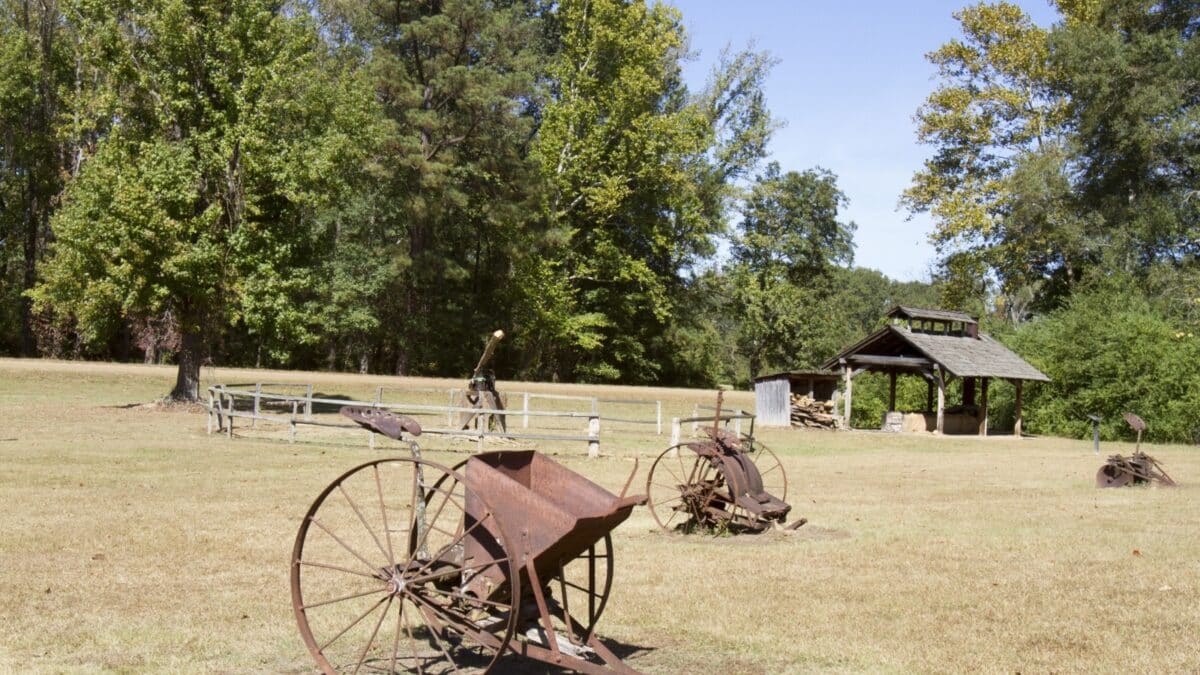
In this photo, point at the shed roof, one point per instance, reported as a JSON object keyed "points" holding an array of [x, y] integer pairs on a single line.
{"points": [[816, 374], [931, 314], [959, 355]]}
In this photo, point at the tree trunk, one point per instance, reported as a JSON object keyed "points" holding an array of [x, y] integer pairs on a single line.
{"points": [[190, 355]]}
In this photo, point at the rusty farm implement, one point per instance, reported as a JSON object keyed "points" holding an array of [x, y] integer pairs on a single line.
{"points": [[406, 565], [1136, 469], [724, 483]]}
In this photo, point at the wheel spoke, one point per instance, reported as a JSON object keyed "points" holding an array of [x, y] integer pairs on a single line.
{"points": [[370, 641], [343, 598], [451, 594], [354, 623], [363, 520], [459, 538], [387, 533], [327, 566], [346, 546], [413, 642]]}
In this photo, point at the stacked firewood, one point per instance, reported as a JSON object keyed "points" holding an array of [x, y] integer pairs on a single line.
{"points": [[813, 414]]}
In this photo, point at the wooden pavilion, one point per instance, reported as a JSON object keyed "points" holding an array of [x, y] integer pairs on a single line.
{"points": [[938, 346]]}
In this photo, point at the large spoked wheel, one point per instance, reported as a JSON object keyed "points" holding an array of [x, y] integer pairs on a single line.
{"points": [[679, 484], [390, 573], [579, 590]]}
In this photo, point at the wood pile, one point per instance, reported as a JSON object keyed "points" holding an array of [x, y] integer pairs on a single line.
{"points": [[810, 413]]}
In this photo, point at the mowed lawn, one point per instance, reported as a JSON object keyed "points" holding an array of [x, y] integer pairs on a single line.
{"points": [[130, 540]]}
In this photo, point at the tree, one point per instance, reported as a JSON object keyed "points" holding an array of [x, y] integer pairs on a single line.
{"points": [[993, 112], [637, 175], [453, 207], [1130, 73], [789, 242], [35, 70], [222, 128]]}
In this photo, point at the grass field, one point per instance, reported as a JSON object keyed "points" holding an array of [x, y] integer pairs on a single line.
{"points": [[130, 540]]}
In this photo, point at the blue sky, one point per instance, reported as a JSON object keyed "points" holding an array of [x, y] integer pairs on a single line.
{"points": [[850, 77]]}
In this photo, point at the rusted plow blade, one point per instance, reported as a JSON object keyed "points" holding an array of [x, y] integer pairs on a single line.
{"points": [[1139, 468], [405, 565]]}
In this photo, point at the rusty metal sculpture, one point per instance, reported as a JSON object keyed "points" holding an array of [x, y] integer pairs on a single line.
{"points": [[719, 486], [481, 391], [406, 565], [1136, 469]]}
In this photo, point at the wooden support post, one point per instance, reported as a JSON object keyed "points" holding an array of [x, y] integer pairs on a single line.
{"points": [[212, 413], [891, 391], [941, 394], [229, 416], [1017, 410], [848, 370], [674, 437], [983, 406], [929, 396], [479, 438], [593, 435], [257, 404], [658, 417], [308, 396], [292, 423], [379, 395], [525, 409]]}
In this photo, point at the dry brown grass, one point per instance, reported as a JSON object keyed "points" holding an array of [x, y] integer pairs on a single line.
{"points": [[132, 541]]}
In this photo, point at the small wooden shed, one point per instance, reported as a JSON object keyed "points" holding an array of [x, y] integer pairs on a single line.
{"points": [[938, 346], [773, 393]]}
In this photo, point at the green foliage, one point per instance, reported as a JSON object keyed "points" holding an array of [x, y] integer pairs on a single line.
{"points": [[221, 134], [789, 243], [1111, 350]]}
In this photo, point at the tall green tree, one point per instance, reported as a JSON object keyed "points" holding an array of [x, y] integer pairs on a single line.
{"points": [[453, 207], [789, 242], [1131, 74], [35, 72], [222, 129], [994, 114], [637, 173]]}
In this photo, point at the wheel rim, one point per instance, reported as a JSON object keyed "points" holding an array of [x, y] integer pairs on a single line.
{"points": [[664, 487], [378, 572]]}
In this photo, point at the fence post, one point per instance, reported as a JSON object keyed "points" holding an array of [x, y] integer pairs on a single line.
{"points": [[308, 394], [379, 395], [658, 417], [450, 413], [292, 423], [479, 441], [229, 416], [257, 404], [594, 434], [210, 410], [737, 423], [674, 437], [525, 409], [695, 414]]}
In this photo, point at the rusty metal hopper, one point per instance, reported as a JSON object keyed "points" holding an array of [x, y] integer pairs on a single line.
{"points": [[551, 513]]}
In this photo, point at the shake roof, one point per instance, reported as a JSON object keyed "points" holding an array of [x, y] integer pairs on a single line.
{"points": [[959, 355], [930, 314]]}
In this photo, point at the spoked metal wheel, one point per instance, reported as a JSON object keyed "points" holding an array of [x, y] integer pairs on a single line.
{"points": [[579, 590], [396, 568], [677, 485]]}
